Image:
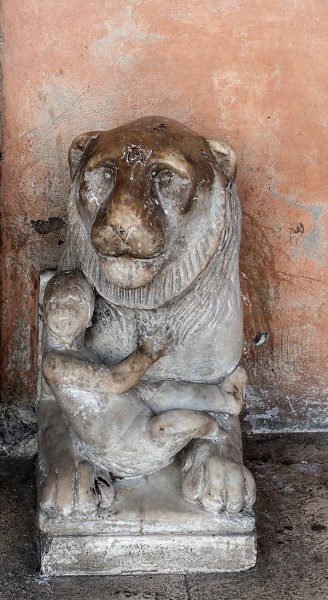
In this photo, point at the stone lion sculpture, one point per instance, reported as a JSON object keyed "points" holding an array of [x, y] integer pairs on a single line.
{"points": [[143, 322]]}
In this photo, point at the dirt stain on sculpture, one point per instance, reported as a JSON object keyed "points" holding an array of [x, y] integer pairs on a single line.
{"points": [[152, 258]]}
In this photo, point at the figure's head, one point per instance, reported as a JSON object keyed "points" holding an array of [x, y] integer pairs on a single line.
{"points": [[68, 306], [147, 208]]}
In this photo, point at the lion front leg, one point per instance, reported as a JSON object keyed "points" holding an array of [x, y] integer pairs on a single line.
{"points": [[213, 471], [226, 398], [214, 474], [69, 483]]}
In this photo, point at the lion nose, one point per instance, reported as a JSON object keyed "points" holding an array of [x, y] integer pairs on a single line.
{"points": [[127, 227]]}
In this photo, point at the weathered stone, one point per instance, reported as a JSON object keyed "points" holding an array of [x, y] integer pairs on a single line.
{"points": [[140, 359]]}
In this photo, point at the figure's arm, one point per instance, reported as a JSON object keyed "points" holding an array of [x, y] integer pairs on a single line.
{"points": [[65, 368]]}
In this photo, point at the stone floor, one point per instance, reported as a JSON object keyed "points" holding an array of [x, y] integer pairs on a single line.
{"points": [[292, 524]]}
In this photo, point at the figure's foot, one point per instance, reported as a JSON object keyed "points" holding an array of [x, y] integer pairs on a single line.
{"points": [[234, 388], [216, 483], [75, 489], [173, 429]]}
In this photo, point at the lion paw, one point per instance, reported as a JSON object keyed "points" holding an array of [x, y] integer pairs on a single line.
{"points": [[75, 490], [217, 484]]}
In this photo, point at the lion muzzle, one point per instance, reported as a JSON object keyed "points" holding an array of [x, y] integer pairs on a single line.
{"points": [[130, 225]]}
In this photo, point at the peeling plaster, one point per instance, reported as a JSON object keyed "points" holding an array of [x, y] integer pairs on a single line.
{"points": [[313, 244], [126, 38]]}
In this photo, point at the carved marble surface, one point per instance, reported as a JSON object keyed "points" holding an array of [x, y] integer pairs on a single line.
{"points": [[143, 332]]}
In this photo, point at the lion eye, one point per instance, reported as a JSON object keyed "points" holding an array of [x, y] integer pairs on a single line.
{"points": [[162, 177], [171, 189], [97, 186]]}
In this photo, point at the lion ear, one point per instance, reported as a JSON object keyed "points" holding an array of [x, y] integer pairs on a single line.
{"points": [[225, 156], [77, 149]]}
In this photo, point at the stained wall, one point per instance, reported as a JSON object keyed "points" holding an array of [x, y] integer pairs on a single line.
{"points": [[252, 73]]}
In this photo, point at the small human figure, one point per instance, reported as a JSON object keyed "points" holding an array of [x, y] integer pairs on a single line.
{"points": [[119, 431]]}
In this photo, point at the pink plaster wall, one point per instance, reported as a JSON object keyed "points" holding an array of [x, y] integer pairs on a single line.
{"points": [[253, 73]]}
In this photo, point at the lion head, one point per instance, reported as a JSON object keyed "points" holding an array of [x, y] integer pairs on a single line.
{"points": [[147, 209]]}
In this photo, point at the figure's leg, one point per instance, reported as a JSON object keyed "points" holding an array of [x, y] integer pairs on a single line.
{"points": [[68, 482], [123, 432]]}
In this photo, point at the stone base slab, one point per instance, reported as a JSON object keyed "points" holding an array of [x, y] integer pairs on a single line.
{"points": [[136, 554]]}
